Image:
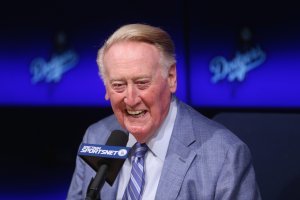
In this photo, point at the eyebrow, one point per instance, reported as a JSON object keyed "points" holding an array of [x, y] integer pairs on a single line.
{"points": [[134, 78]]}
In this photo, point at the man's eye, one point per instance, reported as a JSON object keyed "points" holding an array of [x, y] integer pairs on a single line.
{"points": [[143, 84], [118, 87]]}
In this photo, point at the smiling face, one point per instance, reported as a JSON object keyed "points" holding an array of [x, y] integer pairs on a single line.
{"points": [[139, 93]]}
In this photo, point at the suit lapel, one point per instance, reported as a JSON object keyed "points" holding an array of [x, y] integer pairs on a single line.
{"points": [[173, 173], [179, 156]]}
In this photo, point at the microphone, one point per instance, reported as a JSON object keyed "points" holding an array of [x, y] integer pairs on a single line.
{"points": [[107, 160]]}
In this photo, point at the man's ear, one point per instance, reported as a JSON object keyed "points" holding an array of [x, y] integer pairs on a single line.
{"points": [[172, 78], [106, 89], [106, 96]]}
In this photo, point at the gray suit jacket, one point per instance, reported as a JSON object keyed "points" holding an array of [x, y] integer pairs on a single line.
{"points": [[204, 161]]}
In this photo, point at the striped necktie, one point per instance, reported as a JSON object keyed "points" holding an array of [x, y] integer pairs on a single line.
{"points": [[137, 179]]}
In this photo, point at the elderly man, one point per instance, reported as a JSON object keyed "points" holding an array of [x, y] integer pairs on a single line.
{"points": [[185, 155]]}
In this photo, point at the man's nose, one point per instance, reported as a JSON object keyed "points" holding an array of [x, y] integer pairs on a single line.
{"points": [[132, 97]]}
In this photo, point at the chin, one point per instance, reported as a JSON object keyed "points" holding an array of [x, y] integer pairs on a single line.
{"points": [[135, 130], [139, 133]]}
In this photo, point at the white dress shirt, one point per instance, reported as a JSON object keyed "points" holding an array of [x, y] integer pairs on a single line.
{"points": [[154, 158]]}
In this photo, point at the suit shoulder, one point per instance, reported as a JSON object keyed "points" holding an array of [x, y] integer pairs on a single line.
{"points": [[208, 130], [100, 130], [108, 122]]}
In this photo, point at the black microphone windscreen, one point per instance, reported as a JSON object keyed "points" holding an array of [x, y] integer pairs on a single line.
{"points": [[116, 138]]}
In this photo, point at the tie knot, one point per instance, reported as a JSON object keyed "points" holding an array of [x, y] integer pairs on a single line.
{"points": [[140, 150]]}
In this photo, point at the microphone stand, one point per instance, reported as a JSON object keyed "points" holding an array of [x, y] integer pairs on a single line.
{"points": [[97, 183]]}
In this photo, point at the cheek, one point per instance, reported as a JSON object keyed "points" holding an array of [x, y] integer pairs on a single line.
{"points": [[117, 103], [118, 111], [158, 101], [150, 98]]}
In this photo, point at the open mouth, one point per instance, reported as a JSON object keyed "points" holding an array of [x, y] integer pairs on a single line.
{"points": [[136, 113]]}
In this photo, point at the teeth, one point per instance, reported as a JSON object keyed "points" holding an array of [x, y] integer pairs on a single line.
{"points": [[132, 112]]}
